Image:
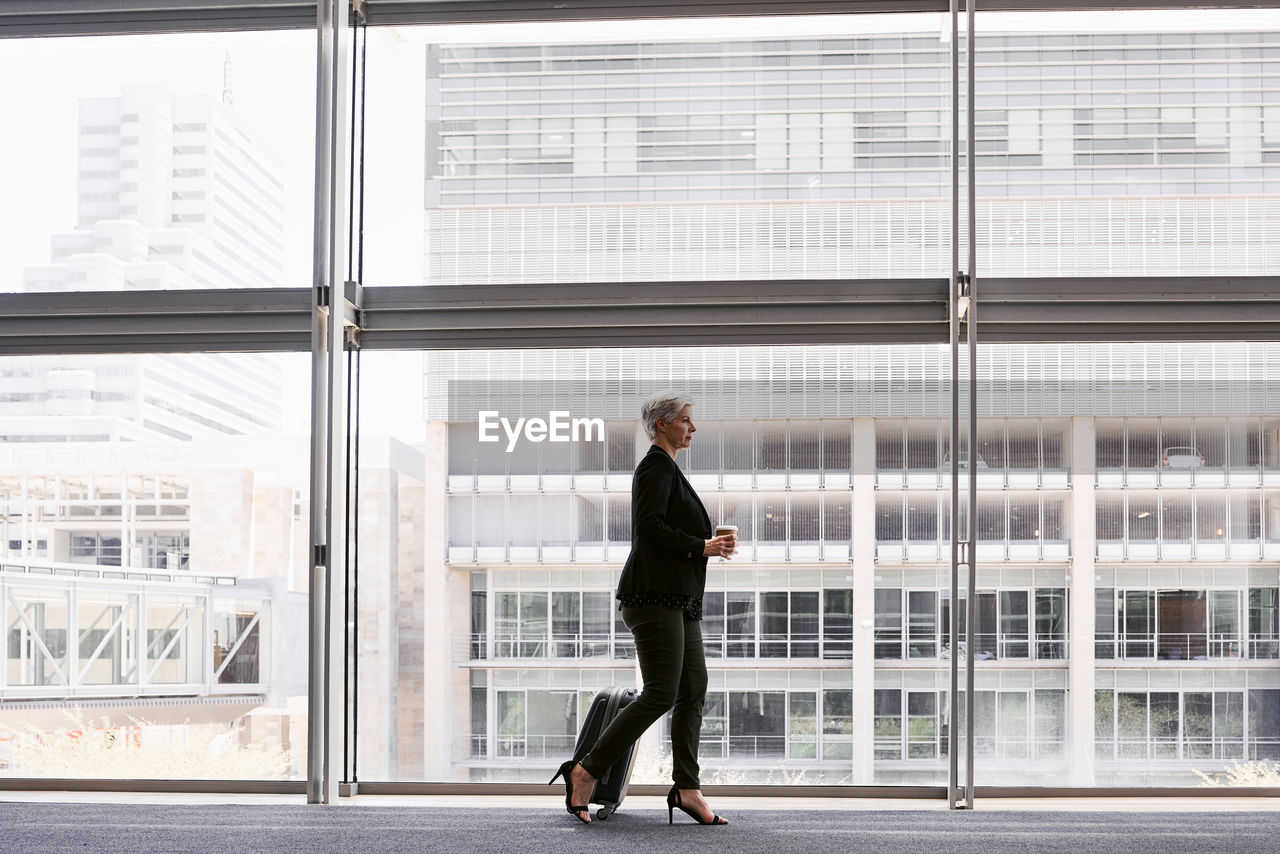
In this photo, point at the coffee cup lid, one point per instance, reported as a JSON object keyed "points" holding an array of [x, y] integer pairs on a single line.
{"points": [[726, 527]]}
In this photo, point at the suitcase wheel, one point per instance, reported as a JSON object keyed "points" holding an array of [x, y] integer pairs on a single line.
{"points": [[604, 812]]}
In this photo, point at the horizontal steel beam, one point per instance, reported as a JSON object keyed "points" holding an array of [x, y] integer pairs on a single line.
{"points": [[202, 323], [167, 342], [696, 315], [733, 292], [637, 314], [87, 303], [26, 18], [1127, 313], [1146, 289], [1137, 332], [649, 336], [223, 320], [406, 12], [1130, 308], [1118, 5], [642, 314], [630, 309]]}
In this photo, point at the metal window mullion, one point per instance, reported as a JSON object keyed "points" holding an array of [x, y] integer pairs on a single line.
{"points": [[953, 759], [328, 474], [972, 330]]}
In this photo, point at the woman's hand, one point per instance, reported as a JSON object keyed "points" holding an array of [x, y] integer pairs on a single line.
{"points": [[723, 546]]}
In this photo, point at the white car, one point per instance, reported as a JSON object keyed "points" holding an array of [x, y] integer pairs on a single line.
{"points": [[1181, 457]]}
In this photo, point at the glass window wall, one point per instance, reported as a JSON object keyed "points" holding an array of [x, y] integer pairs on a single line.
{"points": [[154, 568], [155, 517]]}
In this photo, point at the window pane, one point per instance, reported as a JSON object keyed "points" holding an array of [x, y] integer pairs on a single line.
{"points": [[740, 624], [773, 625], [802, 731], [757, 724], [160, 187], [804, 624], [837, 623], [1175, 623]]}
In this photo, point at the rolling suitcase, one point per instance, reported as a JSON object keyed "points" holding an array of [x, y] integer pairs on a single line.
{"points": [[612, 787]]}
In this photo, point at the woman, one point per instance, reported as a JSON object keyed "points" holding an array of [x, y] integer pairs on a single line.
{"points": [[660, 593]]}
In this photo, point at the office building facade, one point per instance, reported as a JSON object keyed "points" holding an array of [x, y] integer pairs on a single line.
{"points": [[1127, 513]]}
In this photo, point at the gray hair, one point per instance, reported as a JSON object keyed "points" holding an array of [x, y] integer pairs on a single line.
{"points": [[665, 405]]}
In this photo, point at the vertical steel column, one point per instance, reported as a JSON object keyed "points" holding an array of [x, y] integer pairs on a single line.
{"points": [[961, 304], [351, 599], [328, 449], [971, 331], [352, 291], [953, 317]]}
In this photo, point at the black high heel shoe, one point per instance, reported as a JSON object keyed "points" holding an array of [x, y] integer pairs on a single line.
{"points": [[566, 771], [673, 803]]}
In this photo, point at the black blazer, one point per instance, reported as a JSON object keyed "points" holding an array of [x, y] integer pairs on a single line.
{"points": [[669, 529]]}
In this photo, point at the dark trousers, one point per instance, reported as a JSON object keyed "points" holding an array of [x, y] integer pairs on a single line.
{"points": [[669, 649]]}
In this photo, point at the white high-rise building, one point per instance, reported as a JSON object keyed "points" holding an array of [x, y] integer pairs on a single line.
{"points": [[172, 194]]}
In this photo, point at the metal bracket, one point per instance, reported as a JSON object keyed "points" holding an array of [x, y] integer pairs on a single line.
{"points": [[357, 11], [320, 555], [322, 296], [353, 308], [963, 284], [353, 292]]}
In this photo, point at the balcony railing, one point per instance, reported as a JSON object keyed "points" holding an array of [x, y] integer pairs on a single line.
{"points": [[1186, 748], [938, 549], [744, 746], [988, 646], [531, 746], [590, 646], [751, 645], [1186, 646]]}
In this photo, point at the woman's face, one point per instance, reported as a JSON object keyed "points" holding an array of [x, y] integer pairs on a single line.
{"points": [[678, 433]]}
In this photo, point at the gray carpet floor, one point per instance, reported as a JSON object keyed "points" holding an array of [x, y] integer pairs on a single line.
{"points": [[112, 828]]}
